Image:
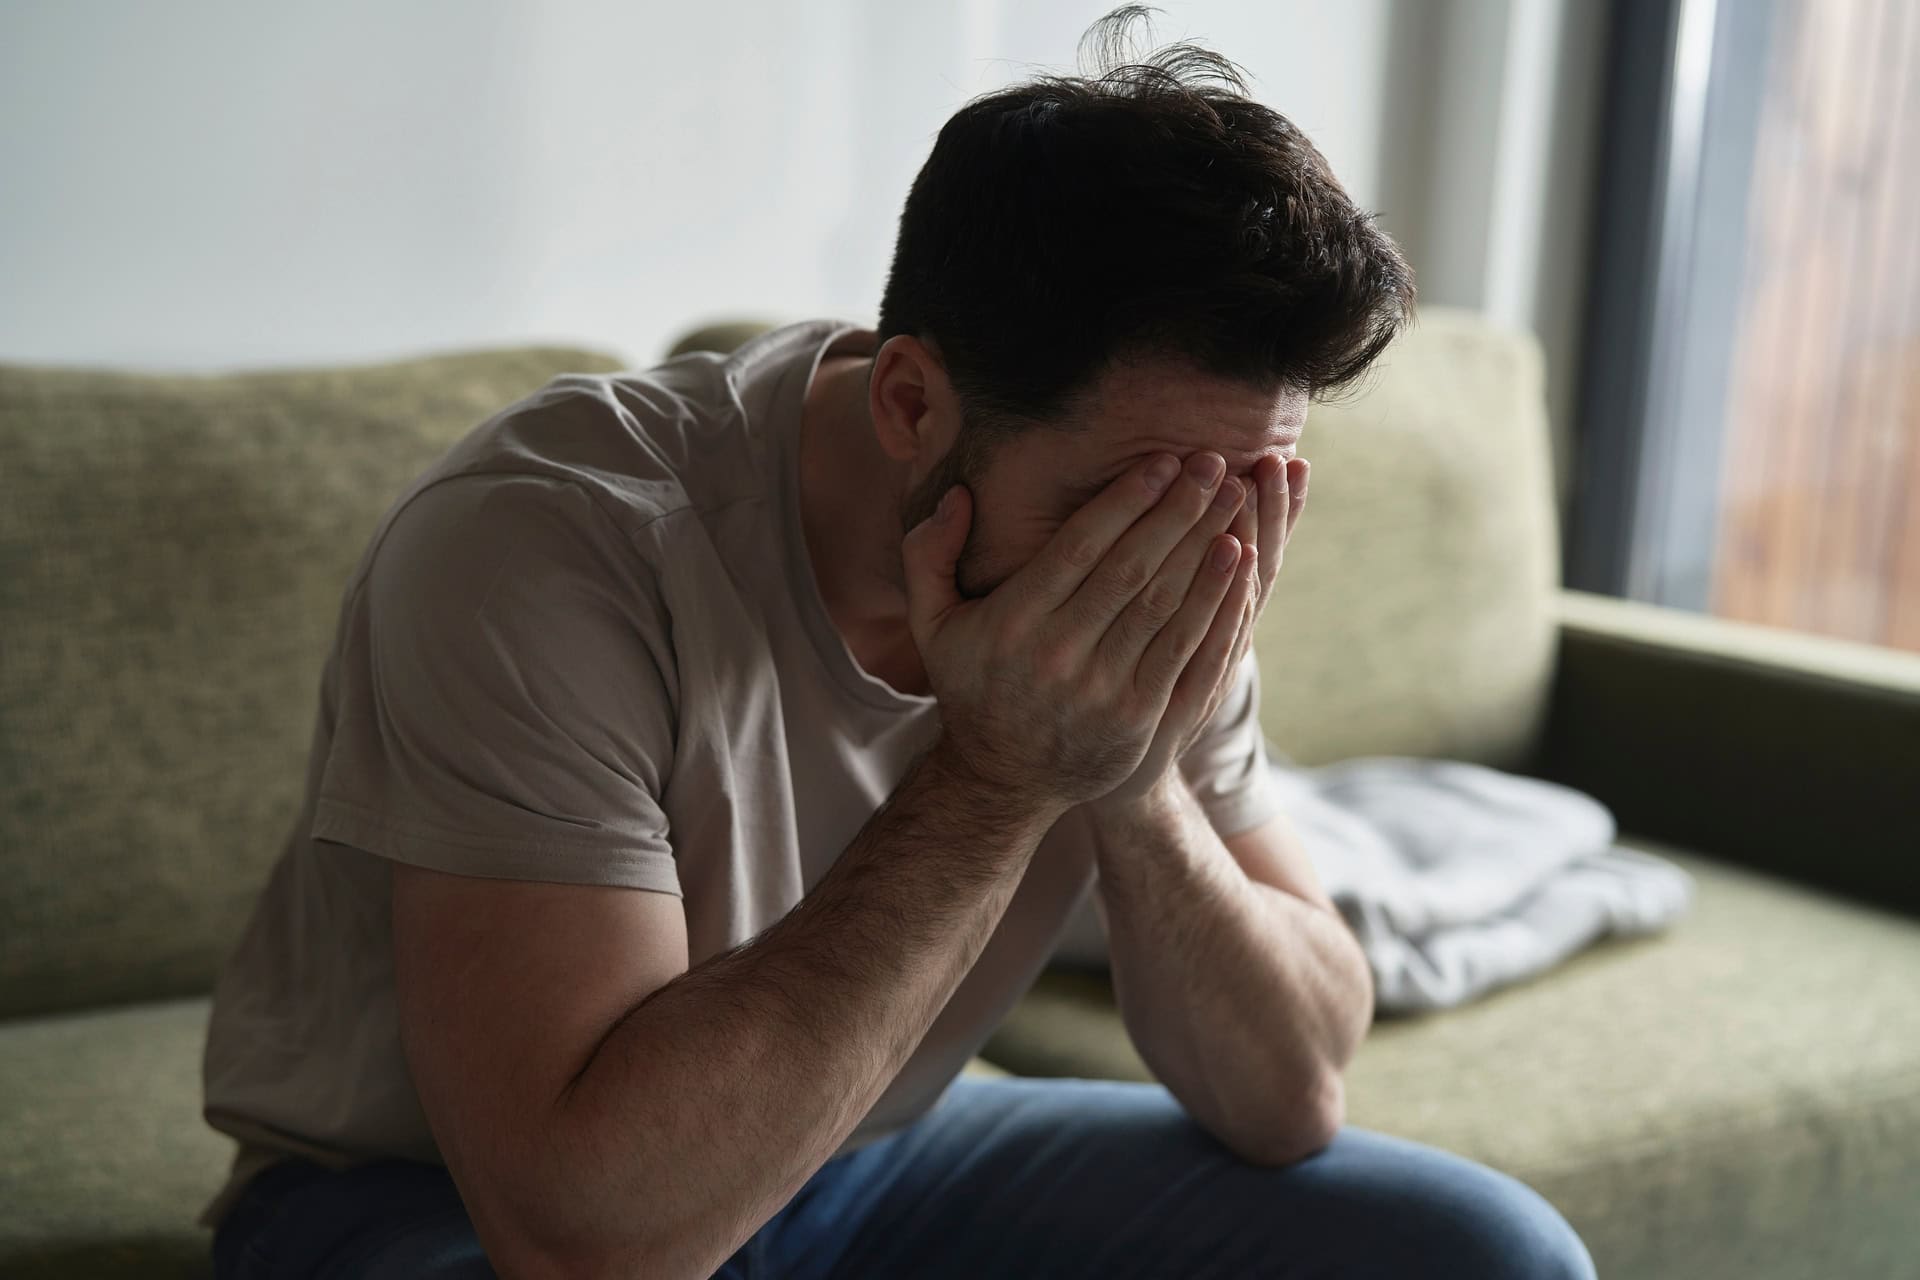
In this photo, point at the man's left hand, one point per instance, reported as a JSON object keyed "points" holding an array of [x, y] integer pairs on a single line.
{"points": [[1266, 520]]}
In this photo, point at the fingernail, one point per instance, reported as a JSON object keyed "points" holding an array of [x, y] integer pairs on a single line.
{"points": [[1226, 555], [1207, 467], [1229, 496], [945, 509], [1162, 472]]}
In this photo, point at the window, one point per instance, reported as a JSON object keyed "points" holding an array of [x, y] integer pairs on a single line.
{"points": [[1749, 425]]}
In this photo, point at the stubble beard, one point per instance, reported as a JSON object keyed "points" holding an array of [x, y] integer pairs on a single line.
{"points": [[964, 463]]}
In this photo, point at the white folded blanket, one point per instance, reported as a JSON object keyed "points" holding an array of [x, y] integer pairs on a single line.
{"points": [[1456, 879]]}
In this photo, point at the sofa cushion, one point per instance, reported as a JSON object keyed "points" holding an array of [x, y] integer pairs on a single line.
{"points": [[1737, 1098], [172, 554], [106, 1159], [1415, 614]]}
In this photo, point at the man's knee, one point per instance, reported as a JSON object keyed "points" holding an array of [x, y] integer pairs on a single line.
{"points": [[1393, 1207], [1511, 1232]]}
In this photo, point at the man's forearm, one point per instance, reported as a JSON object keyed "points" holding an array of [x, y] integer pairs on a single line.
{"points": [[1246, 1001], [715, 1099]]}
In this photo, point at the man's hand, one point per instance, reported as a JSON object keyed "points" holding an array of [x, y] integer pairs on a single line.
{"points": [[1264, 524], [1053, 687]]}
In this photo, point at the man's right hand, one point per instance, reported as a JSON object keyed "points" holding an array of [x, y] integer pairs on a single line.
{"points": [[1051, 688]]}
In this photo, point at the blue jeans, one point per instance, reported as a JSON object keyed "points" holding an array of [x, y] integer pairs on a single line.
{"points": [[1002, 1178]]}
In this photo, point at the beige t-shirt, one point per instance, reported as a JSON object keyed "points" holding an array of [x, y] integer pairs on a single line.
{"points": [[586, 645]]}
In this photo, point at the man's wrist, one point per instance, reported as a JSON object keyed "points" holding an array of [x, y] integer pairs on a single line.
{"points": [[955, 775], [1159, 803]]}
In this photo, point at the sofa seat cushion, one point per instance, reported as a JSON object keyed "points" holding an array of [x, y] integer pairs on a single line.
{"points": [[1739, 1097], [106, 1159]]}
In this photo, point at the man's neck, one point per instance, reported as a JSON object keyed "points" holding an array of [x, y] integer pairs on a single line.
{"points": [[849, 507]]}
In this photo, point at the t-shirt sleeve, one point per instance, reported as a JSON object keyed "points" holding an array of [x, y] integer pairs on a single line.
{"points": [[505, 701], [1226, 767]]}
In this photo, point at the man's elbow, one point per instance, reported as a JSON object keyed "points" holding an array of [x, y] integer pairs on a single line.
{"points": [[525, 1240], [1308, 1126], [523, 1259]]}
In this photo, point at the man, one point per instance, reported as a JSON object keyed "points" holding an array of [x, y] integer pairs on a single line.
{"points": [[709, 756]]}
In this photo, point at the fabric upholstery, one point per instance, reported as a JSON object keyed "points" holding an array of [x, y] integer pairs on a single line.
{"points": [[1414, 613], [106, 1158], [1739, 1098], [1792, 753], [172, 553]]}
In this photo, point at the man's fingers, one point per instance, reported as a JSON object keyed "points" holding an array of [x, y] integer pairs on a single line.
{"points": [[1211, 596], [1297, 488], [1275, 504], [1249, 620], [1153, 606], [1199, 499], [1246, 522], [930, 555], [1049, 579], [1242, 642], [1220, 650]]}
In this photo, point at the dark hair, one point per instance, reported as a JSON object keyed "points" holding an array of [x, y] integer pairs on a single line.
{"points": [[1151, 209]]}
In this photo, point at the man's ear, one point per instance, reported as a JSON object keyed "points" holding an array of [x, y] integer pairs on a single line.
{"points": [[916, 415]]}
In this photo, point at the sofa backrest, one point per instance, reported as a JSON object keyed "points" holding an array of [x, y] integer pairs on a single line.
{"points": [[173, 551], [1414, 613]]}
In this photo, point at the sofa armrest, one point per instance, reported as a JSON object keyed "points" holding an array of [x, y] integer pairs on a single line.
{"points": [[1790, 753]]}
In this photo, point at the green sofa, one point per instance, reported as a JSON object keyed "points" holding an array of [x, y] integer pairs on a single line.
{"points": [[1737, 1098]]}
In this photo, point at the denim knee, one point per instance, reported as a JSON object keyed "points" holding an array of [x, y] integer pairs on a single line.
{"points": [[1515, 1233]]}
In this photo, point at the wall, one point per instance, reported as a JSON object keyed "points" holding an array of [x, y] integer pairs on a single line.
{"points": [[1499, 103], [206, 184]]}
